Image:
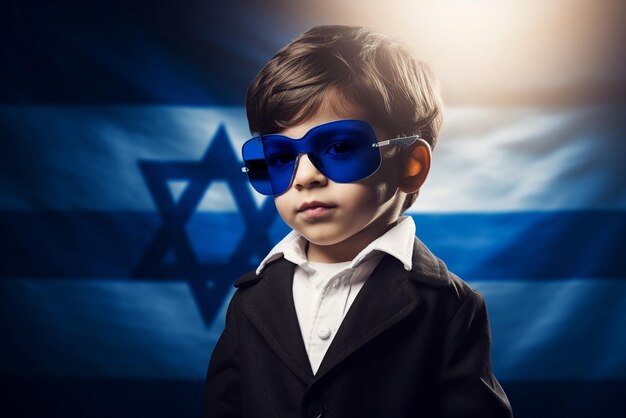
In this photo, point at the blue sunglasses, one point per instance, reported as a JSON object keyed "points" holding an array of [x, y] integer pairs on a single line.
{"points": [[345, 151]]}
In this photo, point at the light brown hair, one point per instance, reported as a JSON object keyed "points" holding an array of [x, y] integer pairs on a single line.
{"points": [[376, 72]]}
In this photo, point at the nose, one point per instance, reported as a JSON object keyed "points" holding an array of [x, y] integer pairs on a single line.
{"points": [[307, 175]]}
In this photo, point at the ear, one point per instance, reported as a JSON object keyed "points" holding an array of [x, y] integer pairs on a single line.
{"points": [[416, 167]]}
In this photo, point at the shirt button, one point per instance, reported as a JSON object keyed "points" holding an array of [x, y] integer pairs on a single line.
{"points": [[323, 332]]}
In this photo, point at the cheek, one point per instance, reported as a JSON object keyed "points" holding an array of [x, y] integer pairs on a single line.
{"points": [[282, 206], [381, 185], [362, 199]]}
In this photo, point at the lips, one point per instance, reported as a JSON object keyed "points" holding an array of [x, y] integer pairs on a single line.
{"points": [[315, 205], [315, 211]]}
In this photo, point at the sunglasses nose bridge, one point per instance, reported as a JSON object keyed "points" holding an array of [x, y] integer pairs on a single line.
{"points": [[306, 174]]}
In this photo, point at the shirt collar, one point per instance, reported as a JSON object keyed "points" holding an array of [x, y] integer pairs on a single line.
{"points": [[397, 242]]}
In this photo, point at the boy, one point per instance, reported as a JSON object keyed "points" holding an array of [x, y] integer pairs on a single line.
{"points": [[350, 315]]}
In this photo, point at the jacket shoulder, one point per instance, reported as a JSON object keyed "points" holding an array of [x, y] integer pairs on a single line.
{"points": [[430, 271], [246, 280], [251, 278]]}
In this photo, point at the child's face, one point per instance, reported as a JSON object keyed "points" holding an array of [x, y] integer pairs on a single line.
{"points": [[340, 219]]}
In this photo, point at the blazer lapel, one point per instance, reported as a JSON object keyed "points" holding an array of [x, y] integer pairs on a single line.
{"points": [[385, 299], [271, 309]]}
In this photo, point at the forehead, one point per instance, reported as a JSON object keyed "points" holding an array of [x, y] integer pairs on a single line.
{"points": [[333, 107]]}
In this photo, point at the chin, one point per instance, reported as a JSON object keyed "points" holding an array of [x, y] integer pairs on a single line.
{"points": [[325, 239]]}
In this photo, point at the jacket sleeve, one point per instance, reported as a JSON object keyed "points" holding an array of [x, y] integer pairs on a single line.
{"points": [[467, 386], [222, 397]]}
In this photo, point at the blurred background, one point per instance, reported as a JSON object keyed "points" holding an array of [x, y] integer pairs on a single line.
{"points": [[123, 211]]}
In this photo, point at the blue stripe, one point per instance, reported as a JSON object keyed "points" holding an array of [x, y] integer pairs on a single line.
{"points": [[498, 246], [529, 245], [137, 52]]}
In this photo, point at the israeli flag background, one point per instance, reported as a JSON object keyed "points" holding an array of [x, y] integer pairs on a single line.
{"points": [[125, 218]]}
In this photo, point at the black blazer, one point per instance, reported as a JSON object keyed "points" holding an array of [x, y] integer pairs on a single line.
{"points": [[413, 344]]}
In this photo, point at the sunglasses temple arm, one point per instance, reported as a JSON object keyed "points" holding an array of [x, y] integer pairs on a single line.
{"points": [[406, 141]]}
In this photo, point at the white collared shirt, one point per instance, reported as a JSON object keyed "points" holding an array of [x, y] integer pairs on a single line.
{"points": [[323, 292]]}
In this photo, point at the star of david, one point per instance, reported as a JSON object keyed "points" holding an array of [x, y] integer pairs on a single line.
{"points": [[210, 282]]}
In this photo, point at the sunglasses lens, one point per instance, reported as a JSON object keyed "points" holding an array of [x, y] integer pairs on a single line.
{"points": [[345, 154], [254, 159], [270, 163], [280, 157]]}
